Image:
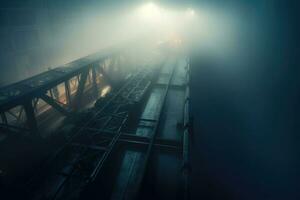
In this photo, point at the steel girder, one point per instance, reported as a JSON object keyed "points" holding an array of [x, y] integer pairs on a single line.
{"points": [[26, 93]]}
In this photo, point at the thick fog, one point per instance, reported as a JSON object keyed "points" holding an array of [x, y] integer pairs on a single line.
{"points": [[39, 35], [245, 94], [244, 81]]}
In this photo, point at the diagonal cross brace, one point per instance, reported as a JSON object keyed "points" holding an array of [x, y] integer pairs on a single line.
{"points": [[54, 104]]}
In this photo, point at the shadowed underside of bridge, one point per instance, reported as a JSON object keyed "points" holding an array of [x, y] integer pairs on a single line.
{"points": [[102, 127]]}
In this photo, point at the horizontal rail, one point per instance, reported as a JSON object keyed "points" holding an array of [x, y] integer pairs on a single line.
{"points": [[14, 94]]}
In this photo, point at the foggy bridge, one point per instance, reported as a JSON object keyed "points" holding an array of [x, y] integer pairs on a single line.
{"points": [[149, 100], [114, 134]]}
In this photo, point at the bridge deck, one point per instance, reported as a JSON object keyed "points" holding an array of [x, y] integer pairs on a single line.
{"points": [[129, 145]]}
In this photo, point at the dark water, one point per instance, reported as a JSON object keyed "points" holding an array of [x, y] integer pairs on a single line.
{"points": [[246, 143]]}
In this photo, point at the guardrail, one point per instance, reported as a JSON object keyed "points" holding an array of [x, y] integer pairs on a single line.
{"points": [[60, 88]]}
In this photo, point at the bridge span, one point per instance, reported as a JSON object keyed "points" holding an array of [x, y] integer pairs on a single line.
{"points": [[111, 128]]}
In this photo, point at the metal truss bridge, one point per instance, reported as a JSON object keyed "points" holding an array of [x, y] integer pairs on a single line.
{"points": [[124, 128]]}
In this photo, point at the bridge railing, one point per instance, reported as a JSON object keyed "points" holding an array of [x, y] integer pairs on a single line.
{"points": [[64, 89]]}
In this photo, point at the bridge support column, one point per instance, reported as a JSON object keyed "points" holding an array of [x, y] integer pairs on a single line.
{"points": [[3, 117], [80, 89], [95, 86], [68, 93], [30, 117]]}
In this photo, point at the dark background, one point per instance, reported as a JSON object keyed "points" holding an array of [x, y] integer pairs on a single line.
{"points": [[246, 143]]}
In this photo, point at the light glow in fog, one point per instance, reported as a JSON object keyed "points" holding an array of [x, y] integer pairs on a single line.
{"points": [[150, 12], [105, 91], [148, 23]]}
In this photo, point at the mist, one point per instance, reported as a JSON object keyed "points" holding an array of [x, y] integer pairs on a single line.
{"points": [[56, 33], [59, 32], [245, 88], [244, 79]]}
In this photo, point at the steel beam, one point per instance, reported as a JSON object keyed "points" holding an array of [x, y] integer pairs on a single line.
{"points": [[54, 104], [95, 85], [3, 117], [186, 168], [68, 93], [12, 114], [20, 114], [14, 94], [30, 117], [13, 128], [82, 137], [135, 192], [80, 89], [173, 87]]}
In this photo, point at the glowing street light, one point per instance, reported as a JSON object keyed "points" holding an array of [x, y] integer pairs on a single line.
{"points": [[150, 12]]}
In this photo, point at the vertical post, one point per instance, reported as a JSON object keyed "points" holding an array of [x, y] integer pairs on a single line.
{"points": [[20, 114], [95, 86], [35, 103], [80, 89], [186, 146], [56, 93], [186, 138], [30, 116], [3, 117], [90, 74], [68, 92], [51, 93]]}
